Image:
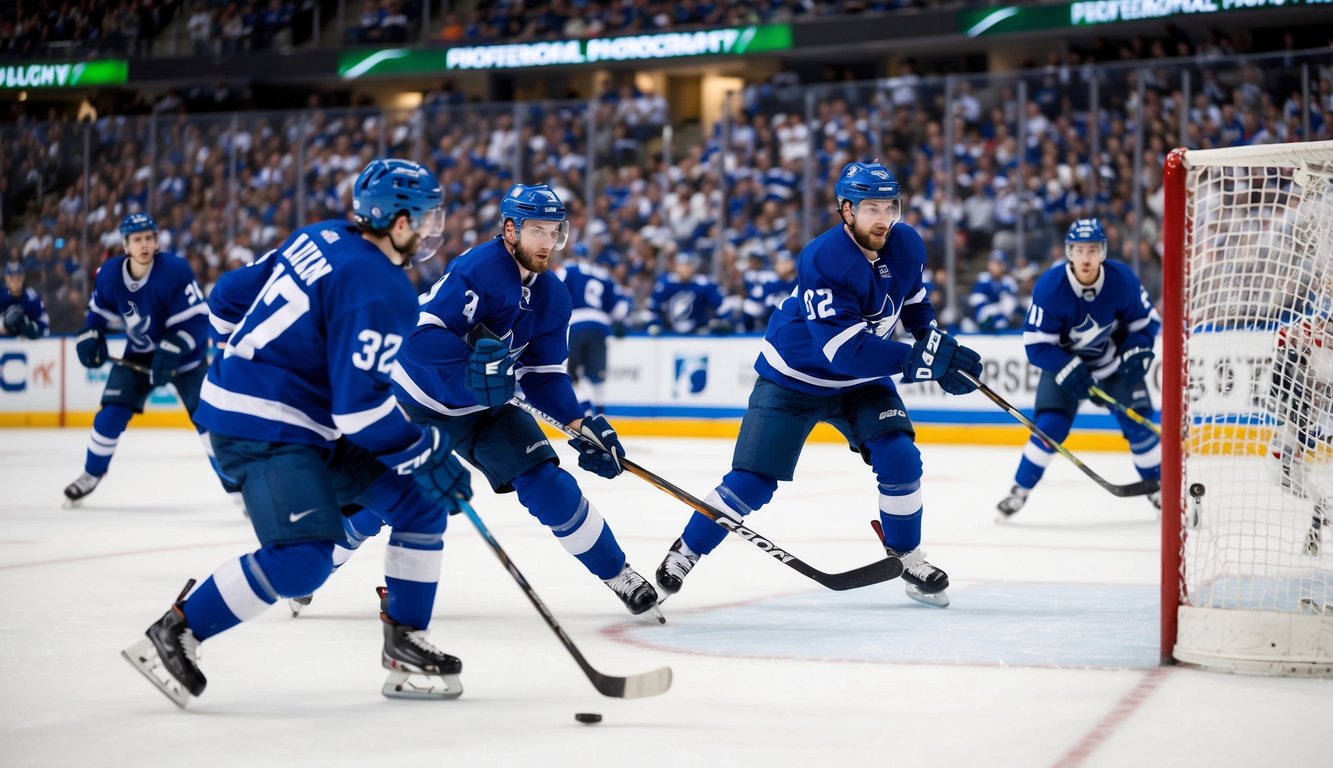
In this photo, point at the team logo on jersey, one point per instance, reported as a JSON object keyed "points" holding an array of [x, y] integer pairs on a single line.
{"points": [[691, 375], [679, 308], [525, 301], [136, 329], [884, 270], [1089, 334]]}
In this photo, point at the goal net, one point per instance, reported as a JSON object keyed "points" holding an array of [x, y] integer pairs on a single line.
{"points": [[1248, 387]]}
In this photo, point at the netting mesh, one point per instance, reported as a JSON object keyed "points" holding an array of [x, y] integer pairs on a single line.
{"points": [[1258, 454]]}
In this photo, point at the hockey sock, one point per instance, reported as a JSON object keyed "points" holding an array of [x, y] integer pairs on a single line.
{"points": [[897, 465], [1146, 451], [108, 425], [363, 525], [552, 496], [1037, 455], [246, 586], [741, 492], [412, 559]]}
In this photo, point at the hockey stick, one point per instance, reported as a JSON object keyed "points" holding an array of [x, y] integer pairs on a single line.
{"points": [[1140, 488], [133, 366], [1129, 413], [637, 686], [874, 573]]}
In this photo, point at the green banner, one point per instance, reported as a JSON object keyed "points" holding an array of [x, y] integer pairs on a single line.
{"points": [[1026, 18], [736, 41], [83, 74]]}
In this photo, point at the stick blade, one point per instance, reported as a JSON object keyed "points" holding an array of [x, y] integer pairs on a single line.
{"points": [[1141, 488], [879, 571], [643, 685]]}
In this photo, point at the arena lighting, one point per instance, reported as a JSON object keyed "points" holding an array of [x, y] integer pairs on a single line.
{"points": [[64, 75], [731, 41]]}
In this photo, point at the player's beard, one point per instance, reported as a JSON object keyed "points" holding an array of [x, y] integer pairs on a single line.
{"points": [[536, 263], [867, 239], [407, 251]]}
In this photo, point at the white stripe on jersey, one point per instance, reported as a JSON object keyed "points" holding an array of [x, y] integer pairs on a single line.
{"points": [[1036, 337], [919, 297], [774, 359], [426, 318], [1142, 322], [249, 405], [401, 378], [521, 372], [185, 314], [834, 344], [589, 315], [351, 423], [108, 316], [223, 327]]}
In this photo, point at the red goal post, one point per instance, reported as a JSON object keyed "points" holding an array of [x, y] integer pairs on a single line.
{"points": [[1247, 251]]}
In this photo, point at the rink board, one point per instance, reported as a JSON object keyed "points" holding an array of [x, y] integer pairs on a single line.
{"points": [[657, 386]]}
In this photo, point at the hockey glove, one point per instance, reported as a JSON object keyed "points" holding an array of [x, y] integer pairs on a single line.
{"points": [[937, 357], [167, 358], [599, 447], [1134, 364], [1075, 379], [18, 323], [490, 372], [430, 462], [90, 346]]}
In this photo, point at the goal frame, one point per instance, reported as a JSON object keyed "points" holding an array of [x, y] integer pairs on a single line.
{"points": [[1174, 341]]}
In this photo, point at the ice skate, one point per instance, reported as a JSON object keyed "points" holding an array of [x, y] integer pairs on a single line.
{"points": [[168, 655], [417, 669], [1155, 499], [1313, 536], [925, 583], [298, 604], [635, 591], [82, 486], [1009, 505], [674, 568]]}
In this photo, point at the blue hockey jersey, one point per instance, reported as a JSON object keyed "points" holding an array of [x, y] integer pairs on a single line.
{"points": [[311, 331], [994, 302], [1095, 323], [765, 291], [32, 306], [595, 299], [165, 300], [836, 332], [685, 306], [484, 286]]}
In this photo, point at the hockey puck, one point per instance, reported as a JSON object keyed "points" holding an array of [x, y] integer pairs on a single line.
{"points": [[588, 718], [1196, 490]]}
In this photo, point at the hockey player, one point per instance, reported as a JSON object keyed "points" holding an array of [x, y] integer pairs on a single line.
{"points": [[301, 413], [994, 297], [766, 289], [1091, 323], [155, 296], [1301, 394], [598, 307], [828, 355], [683, 300], [21, 310], [453, 376]]}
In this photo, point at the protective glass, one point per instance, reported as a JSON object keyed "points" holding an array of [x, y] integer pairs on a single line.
{"points": [[873, 211], [431, 229], [539, 232], [1075, 250]]}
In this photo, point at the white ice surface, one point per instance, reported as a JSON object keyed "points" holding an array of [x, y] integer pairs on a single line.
{"points": [[1046, 656]]}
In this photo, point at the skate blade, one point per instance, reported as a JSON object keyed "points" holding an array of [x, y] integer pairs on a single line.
{"points": [[295, 605], [410, 685], [69, 503], [1312, 608], [655, 612], [933, 599], [143, 657]]}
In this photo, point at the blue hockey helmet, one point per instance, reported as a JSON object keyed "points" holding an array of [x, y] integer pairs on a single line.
{"points": [[868, 181], [136, 222], [538, 202], [387, 189], [580, 250], [13, 269], [1085, 231]]}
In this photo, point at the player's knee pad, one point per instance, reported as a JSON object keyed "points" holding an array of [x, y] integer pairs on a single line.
{"points": [[111, 420], [399, 502], [1055, 424], [895, 459], [549, 493], [292, 570], [745, 491]]}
